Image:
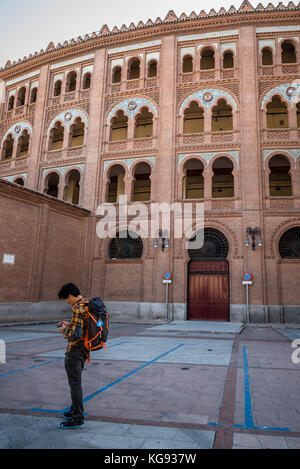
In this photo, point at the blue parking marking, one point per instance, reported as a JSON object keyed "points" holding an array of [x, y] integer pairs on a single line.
{"points": [[30, 368], [248, 412], [117, 381]]}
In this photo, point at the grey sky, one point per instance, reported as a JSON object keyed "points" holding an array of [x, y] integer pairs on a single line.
{"points": [[29, 26]]}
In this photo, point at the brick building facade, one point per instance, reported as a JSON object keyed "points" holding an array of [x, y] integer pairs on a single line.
{"points": [[197, 109]]}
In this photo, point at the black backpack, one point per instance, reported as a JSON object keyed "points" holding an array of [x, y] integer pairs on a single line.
{"points": [[97, 326]]}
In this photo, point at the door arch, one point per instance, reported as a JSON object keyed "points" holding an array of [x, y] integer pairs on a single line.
{"points": [[208, 278]]}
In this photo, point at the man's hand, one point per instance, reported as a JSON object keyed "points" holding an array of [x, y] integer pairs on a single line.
{"points": [[62, 326]]}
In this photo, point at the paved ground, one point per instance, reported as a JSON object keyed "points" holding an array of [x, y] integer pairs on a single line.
{"points": [[182, 385]]}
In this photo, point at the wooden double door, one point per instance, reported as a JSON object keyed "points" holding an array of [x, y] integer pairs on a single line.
{"points": [[208, 290]]}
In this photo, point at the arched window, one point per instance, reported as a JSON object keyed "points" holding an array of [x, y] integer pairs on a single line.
{"points": [[21, 96], [116, 184], [33, 95], [87, 81], [288, 53], [222, 118], [119, 127], [23, 144], [277, 114], [19, 181], [298, 114], [193, 119], [11, 103], [117, 75], [8, 147], [133, 69], [72, 188], [142, 183], [267, 56], [280, 181], [152, 69], [144, 124], [228, 60], [126, 245], [207, 61], [223, 179], [71, 82], [56, 139], [289, 244], [193, 181], [77, 133], [215, 246], [57, 88], [51, 185], [187, 64]]}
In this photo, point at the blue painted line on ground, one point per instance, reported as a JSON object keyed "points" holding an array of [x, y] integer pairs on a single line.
{"points": [[30, 368], [91, 396], [44, 364], [99, 391], [247, 392], [248, 412]]}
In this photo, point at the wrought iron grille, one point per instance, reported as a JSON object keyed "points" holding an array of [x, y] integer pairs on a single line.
{"points": [[215, 245], [289, 244], [126, 245]]}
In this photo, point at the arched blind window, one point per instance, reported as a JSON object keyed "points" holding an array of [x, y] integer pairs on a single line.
{"points": [[215, 245], [289, 244], [126, 245]]}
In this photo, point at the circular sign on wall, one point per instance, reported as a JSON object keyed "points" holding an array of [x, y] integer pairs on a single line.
{"points": [[247, 277], [167, 276], [132, 105]]}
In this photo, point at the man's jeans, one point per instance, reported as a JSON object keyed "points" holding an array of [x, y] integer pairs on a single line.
{"points": [[74, 363]]}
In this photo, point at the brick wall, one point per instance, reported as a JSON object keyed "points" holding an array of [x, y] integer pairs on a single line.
{"points": [[46, 238]]}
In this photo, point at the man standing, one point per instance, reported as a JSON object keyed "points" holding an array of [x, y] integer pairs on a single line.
{"points": [[76, 355]]}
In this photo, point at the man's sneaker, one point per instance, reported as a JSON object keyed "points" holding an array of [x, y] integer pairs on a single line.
{"points": [[69, 424], [68, 415]]}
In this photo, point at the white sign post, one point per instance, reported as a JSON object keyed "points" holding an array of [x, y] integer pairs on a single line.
{"points": [[167, 279], [247, 280]]}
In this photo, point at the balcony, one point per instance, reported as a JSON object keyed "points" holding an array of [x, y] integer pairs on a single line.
{"points": [[129, 85], [279, 69], [208, 138], [134, 144], [65, 154], [73, 96], [207, 75], [21, 111]]}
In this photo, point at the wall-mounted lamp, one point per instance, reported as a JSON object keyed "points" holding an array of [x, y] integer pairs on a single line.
{"points": [[164, 240], [253, 232]]}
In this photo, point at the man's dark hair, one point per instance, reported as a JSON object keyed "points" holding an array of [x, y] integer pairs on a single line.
{"points": [[68, 289]]}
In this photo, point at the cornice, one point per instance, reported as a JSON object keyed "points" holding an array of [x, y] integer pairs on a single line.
{"points": [[246, 14], [14, 190]]}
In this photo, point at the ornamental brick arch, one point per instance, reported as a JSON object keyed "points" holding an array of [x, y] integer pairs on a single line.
{"points": [[188, 158], [290, 174], [223, 155], [107, 195], [282, 53], [208, 99], [277, 234], [131, 107], [67, 118], [146, 187], [288, 92], [17, 129], [233, 246], [111, 234]]}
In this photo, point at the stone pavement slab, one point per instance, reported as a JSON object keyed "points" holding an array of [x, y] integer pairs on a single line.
{"points": [[44, 433], [201, 326], [291, 334], [167, 389], [163, 350], [10, 336]]}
